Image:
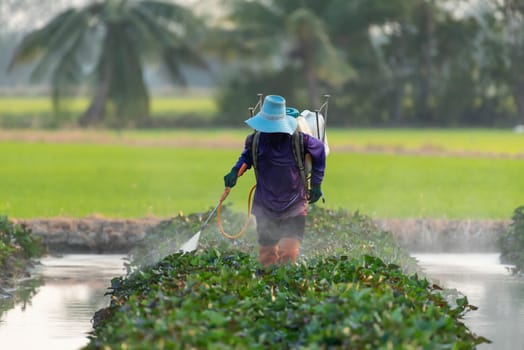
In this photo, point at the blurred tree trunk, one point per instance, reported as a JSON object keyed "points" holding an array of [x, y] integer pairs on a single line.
{"points": [[518, 95], [97, 108], [96, 112], [427, 29], [513, 17], [398, 96], [311, 77]]}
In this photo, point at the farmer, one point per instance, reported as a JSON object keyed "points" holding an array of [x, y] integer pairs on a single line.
{"points": [[281, 198]]}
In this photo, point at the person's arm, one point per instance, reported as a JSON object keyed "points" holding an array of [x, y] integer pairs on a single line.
{"points": [[230, 179], [316, 149]]}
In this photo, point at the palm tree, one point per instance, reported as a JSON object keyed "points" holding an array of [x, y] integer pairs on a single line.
{"points": [[105, 45], [292, 30]]}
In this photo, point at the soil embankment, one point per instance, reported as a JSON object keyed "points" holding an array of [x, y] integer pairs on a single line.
{"points": [[102, 235], [90, 235]]}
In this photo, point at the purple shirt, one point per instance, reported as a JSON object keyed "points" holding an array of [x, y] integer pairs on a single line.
{"points": [[280, 191]]}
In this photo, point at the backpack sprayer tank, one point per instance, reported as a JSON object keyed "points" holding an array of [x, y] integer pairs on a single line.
{"points": [[313, 123]]}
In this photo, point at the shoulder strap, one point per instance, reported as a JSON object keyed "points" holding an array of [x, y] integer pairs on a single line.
{"points": [[254, 151], [298, 153]]}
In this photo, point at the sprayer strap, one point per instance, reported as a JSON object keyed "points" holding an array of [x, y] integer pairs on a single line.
{"points": [[254, 151], [298, 154]]}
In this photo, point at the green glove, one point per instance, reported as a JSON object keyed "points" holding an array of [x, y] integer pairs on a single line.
{"points": [[230, 179], [315, 193]]}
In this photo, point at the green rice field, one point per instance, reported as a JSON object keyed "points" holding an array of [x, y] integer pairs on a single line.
{"points": [[383, 173], [159, 105], [37, 112]]}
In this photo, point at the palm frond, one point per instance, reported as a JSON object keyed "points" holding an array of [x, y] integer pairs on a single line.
{"points": [[150, 30], [37, 41], [170, 12], [312, 39], [67, 75], [256, 28], [61, 43], [174, 47], [256, 15]]}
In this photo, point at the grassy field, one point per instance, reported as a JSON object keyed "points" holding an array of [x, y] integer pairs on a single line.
{"points": [[159, 105], [456, 141], [159, 173], [37, 112]]}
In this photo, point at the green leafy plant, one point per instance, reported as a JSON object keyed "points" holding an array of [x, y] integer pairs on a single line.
{"points": [[328, 232], [340, 294], [511, 242], [17, 247], [340, 232], [224, 299]]}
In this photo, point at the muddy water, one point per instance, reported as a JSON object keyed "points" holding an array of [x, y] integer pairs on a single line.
{"points": [[59, 315], [488, 285]]}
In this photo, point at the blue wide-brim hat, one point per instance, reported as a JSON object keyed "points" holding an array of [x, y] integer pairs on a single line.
{"points": [[272, 117]]}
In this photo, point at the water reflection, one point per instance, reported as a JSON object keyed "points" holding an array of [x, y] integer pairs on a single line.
{"points": [[59, 314], [21, 296], [488, 285]]}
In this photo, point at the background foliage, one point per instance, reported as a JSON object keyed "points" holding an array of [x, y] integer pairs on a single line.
{"points": [[392, 63], [511, 243], [18, 246]]}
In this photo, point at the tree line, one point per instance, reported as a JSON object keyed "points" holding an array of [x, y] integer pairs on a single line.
{"points": [[385, 62]]}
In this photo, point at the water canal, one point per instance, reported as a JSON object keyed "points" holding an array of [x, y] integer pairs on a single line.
{"points": [[488, 285], [58, 316]]}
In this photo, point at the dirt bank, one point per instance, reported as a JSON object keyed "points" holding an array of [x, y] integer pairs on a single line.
{"points": [[223, 141], [90, 235], [102, 235]]}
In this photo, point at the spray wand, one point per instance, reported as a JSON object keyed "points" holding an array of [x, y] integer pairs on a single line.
{"points": [[192, 243]]}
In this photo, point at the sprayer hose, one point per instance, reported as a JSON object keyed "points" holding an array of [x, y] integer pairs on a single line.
{"points": [[246, 223]]}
